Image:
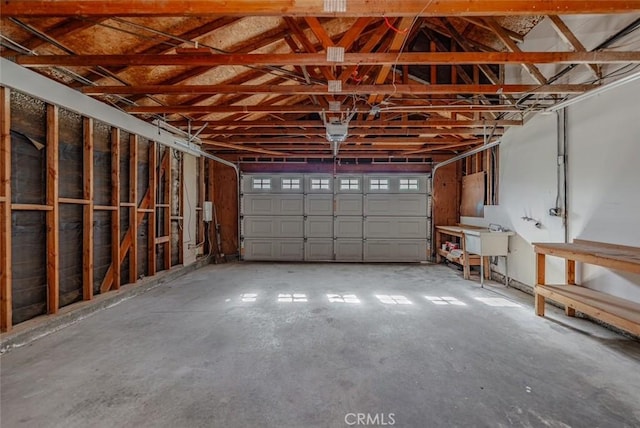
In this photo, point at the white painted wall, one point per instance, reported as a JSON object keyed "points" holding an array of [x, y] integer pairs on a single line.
{"points": [[190, 202], [603, 192]]}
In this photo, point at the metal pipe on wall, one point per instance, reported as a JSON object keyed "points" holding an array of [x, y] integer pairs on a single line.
{"points": [[448, 162]]}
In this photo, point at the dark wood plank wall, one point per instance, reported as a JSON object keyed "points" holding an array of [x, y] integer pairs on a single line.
{"points": [[225, 189], [446, 195], [77, 205]]}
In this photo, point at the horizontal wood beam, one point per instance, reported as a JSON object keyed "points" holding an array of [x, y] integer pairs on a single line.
{"points": [[372, 124], [391, 141], [282, 131], [461, 108], [312, 7], [415, 89], [320, 59], [243, 148]]}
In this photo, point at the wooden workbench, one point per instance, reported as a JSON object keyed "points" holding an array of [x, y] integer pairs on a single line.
{"points": [[466, 260], [610, 309]]}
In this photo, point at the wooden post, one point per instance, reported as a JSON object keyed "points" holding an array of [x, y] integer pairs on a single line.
{"points": [[53, 216], [133, 211], [541, 272], [211, 197], [570, 267], [5, 211], [87, 223], [152, 206], [168, 180], [115, 201], [201, 187], [181, 210]]}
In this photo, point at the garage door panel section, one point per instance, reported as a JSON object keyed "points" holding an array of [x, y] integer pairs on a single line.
{"points": [[318, 183], [318, 227], [348, 250], [272, 204], [349, 204], [395, 227], [273, 250], [378, 183], [318, 204], [395, 205], [318, 249], [273, 227], [347, 217], [272, 183], [348, 227], [386, 250], [349, 184]]}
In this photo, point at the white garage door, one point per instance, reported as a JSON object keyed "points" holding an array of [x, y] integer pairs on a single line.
{"points": [[316, 217]]}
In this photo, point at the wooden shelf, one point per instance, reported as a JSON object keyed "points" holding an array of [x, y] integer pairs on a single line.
{"points": [[474, 260], [610, 309]]}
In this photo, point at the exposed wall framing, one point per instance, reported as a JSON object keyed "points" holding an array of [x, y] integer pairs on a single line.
{"points": [[84, 208], [487, 162]]}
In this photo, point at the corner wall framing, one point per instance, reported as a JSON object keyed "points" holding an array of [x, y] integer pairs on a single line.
{"points": [[85, 207]]}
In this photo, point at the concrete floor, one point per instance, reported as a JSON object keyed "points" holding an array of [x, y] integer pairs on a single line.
{"points": [[191, 353]]}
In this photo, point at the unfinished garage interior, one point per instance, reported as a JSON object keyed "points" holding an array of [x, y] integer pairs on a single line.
{"points": [[320, 213]]}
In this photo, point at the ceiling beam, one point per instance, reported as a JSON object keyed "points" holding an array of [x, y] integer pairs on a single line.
{"points": [[461, 108], [240, 147], [368, 131], [415, 89], [320, 59], [302, 124], [313, 7], [388, 141]]}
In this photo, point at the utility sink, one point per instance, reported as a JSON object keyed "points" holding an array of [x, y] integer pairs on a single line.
{"points": [[487, 242]]}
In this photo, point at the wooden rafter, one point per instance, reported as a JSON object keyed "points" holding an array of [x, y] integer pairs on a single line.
{"points": [[312, 109], [480, 23], [315, 59], [314, 8], [378, 131], [513, 47], [414, 89], [378, 123], [389, 141], [400, 36], [563, 31]]}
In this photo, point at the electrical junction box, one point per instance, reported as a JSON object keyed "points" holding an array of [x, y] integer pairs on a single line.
{"points": [[207, 211]]}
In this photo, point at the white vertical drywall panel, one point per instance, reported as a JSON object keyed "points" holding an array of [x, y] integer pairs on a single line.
{"points": [[603, 197], [603, 177]]}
